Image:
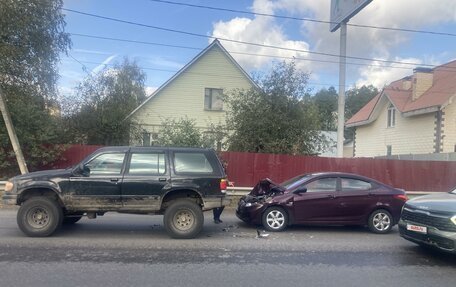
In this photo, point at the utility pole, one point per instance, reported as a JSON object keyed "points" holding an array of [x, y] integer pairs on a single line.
{"points": [[12, 134], [341, 100]]}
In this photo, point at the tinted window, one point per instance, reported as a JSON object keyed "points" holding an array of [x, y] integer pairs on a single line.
{"points": [[355, 184], [107, 163], [191, 163], [295, 181], [147, 163], [322, 185]]}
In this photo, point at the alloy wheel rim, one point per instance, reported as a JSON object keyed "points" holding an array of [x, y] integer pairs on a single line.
{"points": [[275, 219], [381, 221]]}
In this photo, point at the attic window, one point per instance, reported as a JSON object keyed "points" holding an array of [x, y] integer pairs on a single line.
{"points": [[391, 116], [213, 99]]}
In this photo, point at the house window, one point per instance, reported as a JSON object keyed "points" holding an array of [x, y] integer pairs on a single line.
{"points": [[149, 139], [389, 150], [146, 139], [391, 116], [213, 99]]}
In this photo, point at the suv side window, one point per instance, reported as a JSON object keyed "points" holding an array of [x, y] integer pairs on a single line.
{"points": [[107, 163], [147, 163], [192, 162]]}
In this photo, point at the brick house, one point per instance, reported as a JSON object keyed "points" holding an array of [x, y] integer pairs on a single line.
{"points": [[413, 115]]}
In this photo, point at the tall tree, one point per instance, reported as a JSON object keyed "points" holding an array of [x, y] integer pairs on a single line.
{"points": [[326, 102], [356, 99], [274, 118], [31, 38], [103, 102]]}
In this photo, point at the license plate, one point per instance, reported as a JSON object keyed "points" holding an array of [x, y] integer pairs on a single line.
{"points": [[417, 228]]}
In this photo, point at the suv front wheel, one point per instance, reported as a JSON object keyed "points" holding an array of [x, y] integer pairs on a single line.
{"points": [[39, 216], [183, 219]]}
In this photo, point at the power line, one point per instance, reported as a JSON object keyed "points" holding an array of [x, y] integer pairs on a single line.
{"points": [[303, 19], [175, 71], [387, 88], [237, 41], [231, 52]]}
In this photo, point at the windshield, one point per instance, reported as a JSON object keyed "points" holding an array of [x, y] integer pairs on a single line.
{"points": [[295, 181]]}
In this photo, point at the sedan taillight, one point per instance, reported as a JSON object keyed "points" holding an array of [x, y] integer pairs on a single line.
{"points": [[402, 197]]}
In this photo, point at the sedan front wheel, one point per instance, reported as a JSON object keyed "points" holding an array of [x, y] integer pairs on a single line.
{"points": [[275, 219]]}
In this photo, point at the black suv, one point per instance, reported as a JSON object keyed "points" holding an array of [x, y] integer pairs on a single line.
{"points": [[179, 183]]}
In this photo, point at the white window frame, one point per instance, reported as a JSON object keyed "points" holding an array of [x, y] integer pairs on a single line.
{"points": [[209, 99], [391, 117]]}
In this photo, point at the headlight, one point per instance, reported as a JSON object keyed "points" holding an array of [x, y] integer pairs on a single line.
{"points": [[9, 186], [248, 204], [453, 219]]}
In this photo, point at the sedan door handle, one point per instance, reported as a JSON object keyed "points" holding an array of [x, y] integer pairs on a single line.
{"points": [[162, 179], [114, 180], [331, 196]]}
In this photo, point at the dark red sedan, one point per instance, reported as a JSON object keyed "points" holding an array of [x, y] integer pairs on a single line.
{"points": [[323, 199]]}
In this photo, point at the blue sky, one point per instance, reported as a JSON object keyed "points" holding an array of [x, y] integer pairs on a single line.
{"points": [[161, 63]]}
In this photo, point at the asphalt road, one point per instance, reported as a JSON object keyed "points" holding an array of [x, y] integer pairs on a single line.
{"points": [[131, 250]]}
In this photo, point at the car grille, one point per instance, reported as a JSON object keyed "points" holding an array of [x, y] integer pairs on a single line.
{"points": [[439, 241], [440, 222]]}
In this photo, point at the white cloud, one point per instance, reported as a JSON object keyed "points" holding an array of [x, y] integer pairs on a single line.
{"points": [[362, 42], [380, 74], [150, 90], [261, 30], [103, 64]]}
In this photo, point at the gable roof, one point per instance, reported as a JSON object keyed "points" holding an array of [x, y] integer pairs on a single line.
{"points": [[215, 43], [439, 95]]}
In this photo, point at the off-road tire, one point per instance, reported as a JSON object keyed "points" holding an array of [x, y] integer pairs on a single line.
{"points": [[39, 217], [183, 219], [275, 219]]}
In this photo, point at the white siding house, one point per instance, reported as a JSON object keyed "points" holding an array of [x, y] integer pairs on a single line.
{"points": [[195, 92]]}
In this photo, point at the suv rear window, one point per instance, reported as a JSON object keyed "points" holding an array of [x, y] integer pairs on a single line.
{"points": [[186, 162], [147, 163]]}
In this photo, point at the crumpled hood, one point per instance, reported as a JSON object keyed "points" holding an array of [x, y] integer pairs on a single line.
{"points": [[266, 187]]}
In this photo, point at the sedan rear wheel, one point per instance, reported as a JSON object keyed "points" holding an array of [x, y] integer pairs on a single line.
{"points": [[275, 219], [380, 221]]}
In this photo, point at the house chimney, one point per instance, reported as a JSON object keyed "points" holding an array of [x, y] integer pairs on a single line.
{"points": [[422, 81], [406, 83]]}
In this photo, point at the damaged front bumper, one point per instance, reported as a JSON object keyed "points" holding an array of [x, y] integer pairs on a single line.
{"points": [[250, 212]]}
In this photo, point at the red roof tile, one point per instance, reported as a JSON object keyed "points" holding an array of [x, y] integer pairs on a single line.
{"points": [[443, 88]]}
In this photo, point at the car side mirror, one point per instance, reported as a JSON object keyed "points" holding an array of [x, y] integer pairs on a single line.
{"points": [[85, 170], [300, 190]]}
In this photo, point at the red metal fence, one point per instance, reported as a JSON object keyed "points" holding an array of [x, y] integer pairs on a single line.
{"points": [[245, 169]]}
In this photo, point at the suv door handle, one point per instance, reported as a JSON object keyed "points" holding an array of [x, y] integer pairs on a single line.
{"points": [[162, 179], [114, 180], [332, 196]]}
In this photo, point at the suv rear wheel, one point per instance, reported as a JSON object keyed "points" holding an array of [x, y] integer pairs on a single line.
{"points": [[39, 216], [183, 219]]}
